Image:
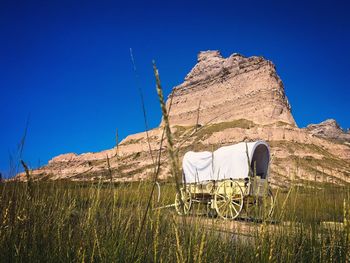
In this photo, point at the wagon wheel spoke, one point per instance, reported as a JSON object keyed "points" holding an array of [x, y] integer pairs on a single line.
{"points": [[222, 205], [234, 209], [235, 203], [228, 199], [231, 211], [183, 201], [223, 197], [226, 211]]}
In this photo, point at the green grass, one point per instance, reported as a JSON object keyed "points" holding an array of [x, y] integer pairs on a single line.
{"points": [[278, 124], [131, 141], [70, 222], [208, 130]]}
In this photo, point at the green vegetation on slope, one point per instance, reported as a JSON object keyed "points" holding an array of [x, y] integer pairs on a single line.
{"points": [[327, 165], [206, 131]]}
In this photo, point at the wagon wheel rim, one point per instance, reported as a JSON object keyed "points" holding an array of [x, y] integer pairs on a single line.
{"points": [[262, 208], [186, 199], [228, 200], [269, 205]]}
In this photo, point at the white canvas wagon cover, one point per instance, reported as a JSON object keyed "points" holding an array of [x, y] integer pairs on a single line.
{"points": [[226, 162]]}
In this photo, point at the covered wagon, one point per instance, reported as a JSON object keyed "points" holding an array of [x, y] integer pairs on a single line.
{"points": [[228, 181]]}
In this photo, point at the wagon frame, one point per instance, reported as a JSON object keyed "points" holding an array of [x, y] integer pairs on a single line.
{"points": [[229, 197]]}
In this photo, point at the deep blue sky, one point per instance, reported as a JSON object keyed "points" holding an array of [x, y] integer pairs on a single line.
{"points": [[67, 63]]}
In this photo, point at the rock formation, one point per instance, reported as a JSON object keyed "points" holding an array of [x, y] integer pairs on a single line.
{"points": [[233, 99], [329, 129], [222, 89]]}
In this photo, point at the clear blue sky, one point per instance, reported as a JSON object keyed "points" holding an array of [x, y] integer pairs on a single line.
{"points": [[67, 63]]}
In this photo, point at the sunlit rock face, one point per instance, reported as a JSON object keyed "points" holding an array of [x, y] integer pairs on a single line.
{"points": [[222, 89], [329, 129]]}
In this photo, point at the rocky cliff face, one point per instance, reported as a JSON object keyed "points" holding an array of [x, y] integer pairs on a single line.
{"points": [[329, 129], [223, 89], [233, 99]]}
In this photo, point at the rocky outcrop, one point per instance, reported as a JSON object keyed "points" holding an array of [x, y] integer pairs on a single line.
{"points": [[233, 99], [222, 89], [329, 129]]}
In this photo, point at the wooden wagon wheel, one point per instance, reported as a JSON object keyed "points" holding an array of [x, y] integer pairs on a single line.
{"points": [[228, 199], [268, 205], [186, 198], [260, 208]]}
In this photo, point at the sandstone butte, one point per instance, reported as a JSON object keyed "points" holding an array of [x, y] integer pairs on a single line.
{"points": [[221, 101]]}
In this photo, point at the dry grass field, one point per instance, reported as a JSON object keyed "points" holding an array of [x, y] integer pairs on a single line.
{"points": [[65, 221]]}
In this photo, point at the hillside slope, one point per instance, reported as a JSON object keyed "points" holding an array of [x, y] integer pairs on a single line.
{"points": [[222, 101]]}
